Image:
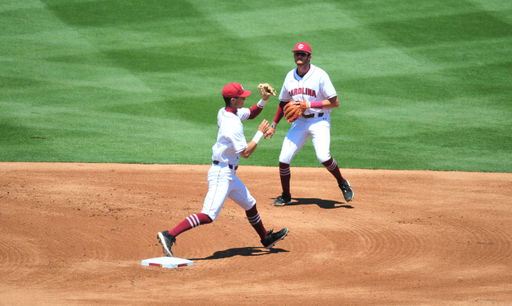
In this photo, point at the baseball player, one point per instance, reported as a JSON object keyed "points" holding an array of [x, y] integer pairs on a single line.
{"points": [[311, 85], [222, 180]]}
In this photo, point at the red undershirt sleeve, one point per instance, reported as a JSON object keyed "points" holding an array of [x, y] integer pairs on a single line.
{"points": [[255, 111], [280, 112]]}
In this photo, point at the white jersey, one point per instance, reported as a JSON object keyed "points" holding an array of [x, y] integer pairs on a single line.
{"points": [[314, 86], [230, 137]]}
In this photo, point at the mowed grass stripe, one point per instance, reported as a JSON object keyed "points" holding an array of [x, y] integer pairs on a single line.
{"points": [[419, 84]]}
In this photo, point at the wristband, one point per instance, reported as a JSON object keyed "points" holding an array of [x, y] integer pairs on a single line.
{"points": [[318, 104], [273, 126], [261, 103], [257, 137]]}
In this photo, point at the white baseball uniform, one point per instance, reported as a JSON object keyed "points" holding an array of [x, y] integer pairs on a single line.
{"points": [[314, 86], [222, 179]]}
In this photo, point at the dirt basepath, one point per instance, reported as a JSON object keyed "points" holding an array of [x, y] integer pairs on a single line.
{"points": [[75, 234]]}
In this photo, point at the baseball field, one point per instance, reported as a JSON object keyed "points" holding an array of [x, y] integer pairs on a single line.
{"points": [[108, 115]]}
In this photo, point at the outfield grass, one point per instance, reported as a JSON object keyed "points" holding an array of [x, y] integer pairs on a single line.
{"points": [[422, 84]]}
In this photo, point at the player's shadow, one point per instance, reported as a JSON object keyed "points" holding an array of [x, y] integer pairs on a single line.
{"points": [[248, 251], [325, 204]]}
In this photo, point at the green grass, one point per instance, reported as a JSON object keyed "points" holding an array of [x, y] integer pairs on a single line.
{"points": [[422, 84]]}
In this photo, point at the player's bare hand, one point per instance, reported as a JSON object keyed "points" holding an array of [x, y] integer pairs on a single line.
{"points": [[270, 132], [264, 126]]}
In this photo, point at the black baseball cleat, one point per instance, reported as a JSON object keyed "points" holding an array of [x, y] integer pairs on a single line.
{"points": [[347, 191], [283, 200], [167, 240], [272, 238]]}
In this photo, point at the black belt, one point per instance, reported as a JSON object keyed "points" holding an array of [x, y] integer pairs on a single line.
{"points": [[313, 115], [216, 162]]}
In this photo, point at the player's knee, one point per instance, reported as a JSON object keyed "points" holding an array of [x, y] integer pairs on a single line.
{"points": [[323, 158], [285, 159], [210, 219]]}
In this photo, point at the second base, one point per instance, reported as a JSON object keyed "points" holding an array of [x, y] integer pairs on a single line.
{"points": [[167, 262]]}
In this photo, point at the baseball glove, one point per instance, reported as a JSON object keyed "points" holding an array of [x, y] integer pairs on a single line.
{"points": [[293, 112], [266, 90]]}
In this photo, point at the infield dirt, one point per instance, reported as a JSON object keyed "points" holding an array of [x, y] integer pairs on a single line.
{"points": [[75, 234]]}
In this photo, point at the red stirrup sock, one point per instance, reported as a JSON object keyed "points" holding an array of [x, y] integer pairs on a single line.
{"points": [[190, 222], [332, 166], [285, 174], [254, 218]]}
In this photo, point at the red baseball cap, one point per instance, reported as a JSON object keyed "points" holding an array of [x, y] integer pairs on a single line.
{"points": [[302, 47], [234, 90]]}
